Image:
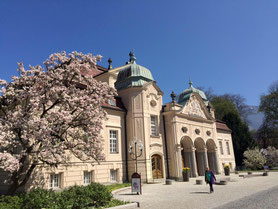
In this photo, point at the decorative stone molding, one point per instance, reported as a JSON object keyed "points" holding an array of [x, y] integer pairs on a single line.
{"points": [[155, 145], [193, 108], [153, 103], [184, 130], [208, 133], [197, 131], [178, 147]]}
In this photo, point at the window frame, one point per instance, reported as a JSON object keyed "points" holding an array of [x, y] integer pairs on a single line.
{"points": [[55, 180], [113, 175], [113, 142], [87, 174], [228, 148], [221, 147], [155, 125]]}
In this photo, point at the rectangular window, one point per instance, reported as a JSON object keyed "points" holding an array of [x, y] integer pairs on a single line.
{"points": [[113, 141], [228, 148], [87, 177], [55, 181], [113, 175], [154, 125], [221, 148]]}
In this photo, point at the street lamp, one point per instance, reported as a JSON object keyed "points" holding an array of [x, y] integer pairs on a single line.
{"points": [[135, 150]]}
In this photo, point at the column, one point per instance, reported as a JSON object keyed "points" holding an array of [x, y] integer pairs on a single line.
{"points": [[193, 163], [216, 162], [206, 158], [179, 163]]}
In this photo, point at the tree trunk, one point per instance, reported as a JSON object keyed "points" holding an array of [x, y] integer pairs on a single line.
{"points": [[12, 188], [15, 180]]}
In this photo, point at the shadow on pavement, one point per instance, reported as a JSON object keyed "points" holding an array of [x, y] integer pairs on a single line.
{"points": [[128, 194], [199, 193]]}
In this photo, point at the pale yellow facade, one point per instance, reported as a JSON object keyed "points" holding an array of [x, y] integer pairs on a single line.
{"points": [[173, 136]]}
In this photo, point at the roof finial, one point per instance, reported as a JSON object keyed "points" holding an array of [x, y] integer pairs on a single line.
{"points": [[190, 83], [132, 57], [110, 62], [173, 96]]}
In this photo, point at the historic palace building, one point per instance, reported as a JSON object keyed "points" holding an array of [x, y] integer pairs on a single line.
{"points": [[181, 133]]}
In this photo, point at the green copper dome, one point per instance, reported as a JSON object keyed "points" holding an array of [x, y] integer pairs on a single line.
{"points": [[185, 95], [133, 75]]}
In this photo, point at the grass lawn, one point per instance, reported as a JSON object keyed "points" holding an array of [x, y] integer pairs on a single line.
{"points": [[113, 187], [115, 202]]}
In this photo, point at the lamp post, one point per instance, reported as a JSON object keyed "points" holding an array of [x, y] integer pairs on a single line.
{"points": [[135, 150]]}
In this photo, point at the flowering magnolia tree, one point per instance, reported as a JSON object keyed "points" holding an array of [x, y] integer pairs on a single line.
{"points": [[49, 113], [254, 159]]}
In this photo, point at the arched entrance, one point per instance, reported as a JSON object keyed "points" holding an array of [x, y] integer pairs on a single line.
{"points": [[201, 156], [157, 167], [187, 155], [212, 155]]}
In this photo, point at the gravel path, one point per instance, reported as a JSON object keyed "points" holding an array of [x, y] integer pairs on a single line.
{"points": [[188, 195], [267, 199]]}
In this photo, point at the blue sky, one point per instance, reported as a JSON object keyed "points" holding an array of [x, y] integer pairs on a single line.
{"points": [[230, 46]]}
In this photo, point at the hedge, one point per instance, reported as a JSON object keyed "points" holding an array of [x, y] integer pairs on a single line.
{"points": [[94, 195]]}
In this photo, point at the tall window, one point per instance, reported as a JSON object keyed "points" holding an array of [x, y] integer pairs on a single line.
{"points": [[87, 177], [154, 125], [221, 147], [113, 141], [55, 181], [113, 175], [228, 148]]}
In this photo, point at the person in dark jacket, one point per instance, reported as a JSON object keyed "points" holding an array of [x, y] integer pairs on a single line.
{"points": [[210, 179]]}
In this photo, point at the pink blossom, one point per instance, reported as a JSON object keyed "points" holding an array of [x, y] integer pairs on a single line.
{"points": [[50, 112]]}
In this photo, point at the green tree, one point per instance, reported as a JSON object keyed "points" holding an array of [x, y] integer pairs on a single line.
{"points": [[242, 139], [222, 107], [225, 110], [268, 133]]}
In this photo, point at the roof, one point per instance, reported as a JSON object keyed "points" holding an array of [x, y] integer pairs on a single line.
{"points": [[185, 95], [116, 104], [222, 126], [96, 71], [132, 75]]}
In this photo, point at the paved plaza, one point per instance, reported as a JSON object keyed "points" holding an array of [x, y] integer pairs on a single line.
{"points": [[189, 195]]}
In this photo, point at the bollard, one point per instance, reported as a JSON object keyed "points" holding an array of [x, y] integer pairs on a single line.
{"points": [[168, 182], [198, 181]]}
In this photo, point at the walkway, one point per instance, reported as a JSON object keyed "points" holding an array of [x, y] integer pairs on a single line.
{"points": [[188, 195]]}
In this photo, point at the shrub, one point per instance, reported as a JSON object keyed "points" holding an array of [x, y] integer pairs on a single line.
{"points": [[96, 195], [271, 155], [74, 197], [254, 159], [99, 194], [39, 198], [115, 202], [10, 202]]}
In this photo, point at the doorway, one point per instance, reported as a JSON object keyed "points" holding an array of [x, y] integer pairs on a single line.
{"points": [[157, 167]]}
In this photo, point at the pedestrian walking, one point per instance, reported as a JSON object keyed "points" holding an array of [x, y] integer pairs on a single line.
{"points": [[210, 179]]}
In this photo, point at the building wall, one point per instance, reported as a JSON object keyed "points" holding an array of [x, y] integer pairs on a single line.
{"points": [[142, 103], [225, 158], [73, 173], [181, 125]]}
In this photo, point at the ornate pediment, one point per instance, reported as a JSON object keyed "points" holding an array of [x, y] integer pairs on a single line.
{"points": [[193, 108]]}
